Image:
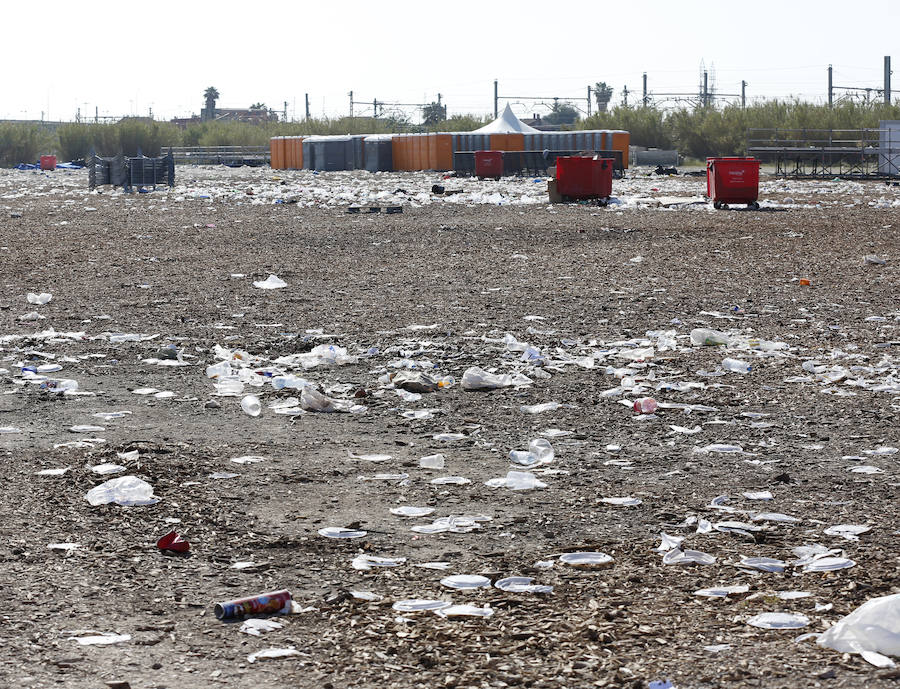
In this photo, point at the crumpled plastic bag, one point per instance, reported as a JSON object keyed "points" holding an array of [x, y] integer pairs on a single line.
{"points": [[125, 490], [271, 282], [872, 630], [476, 378], [414, 381], [313, 400]]}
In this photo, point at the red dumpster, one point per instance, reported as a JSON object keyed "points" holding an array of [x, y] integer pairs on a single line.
{"points": [[584, 177], [48, 162], [489, 164], [732, 180]]}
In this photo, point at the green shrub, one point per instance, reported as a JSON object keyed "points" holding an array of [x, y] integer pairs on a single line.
{"points": [[24, 143]]}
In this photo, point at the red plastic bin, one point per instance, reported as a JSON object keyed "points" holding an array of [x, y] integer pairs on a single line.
{"points": [[48, 162], [732, 180], [489, 164], [583, 177]]}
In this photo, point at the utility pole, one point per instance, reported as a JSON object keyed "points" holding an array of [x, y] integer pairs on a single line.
{"points": [[625, 96], [743, 94], [887, 79], [375, 107], [496, 106], [351, 104], [151, 113], [96, 114], [306, 95], [589, 101], [284, 118], [830, 89], [705, 95], [646, 101]]}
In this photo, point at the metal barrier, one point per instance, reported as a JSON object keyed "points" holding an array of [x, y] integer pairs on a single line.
{"points": [[131, 173], [855, 153], [233, 156]]}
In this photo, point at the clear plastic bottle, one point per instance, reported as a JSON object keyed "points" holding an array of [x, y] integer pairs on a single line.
{"points": [[736, 366]]}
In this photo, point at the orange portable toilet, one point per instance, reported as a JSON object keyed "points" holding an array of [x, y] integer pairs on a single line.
{"points": [[273, 153], [299, 145], [620, 142], [441, 152], [418, 163], [287, 153], [397, 152]]}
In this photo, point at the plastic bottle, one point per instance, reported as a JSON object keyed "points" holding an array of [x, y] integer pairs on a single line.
{"points": [[736, 366], [707, 337]]}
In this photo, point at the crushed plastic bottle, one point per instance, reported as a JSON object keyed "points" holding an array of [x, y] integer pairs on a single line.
{"points": [[736, 365], [708, 338], [645, 405], [540, 451]]}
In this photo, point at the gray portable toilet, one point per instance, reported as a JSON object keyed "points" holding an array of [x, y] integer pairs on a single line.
{"points": [[331, 153], [379, 153], [309, 154]]}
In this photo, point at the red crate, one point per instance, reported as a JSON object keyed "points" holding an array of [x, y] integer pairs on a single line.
{"points": [[732, 180], [583, 177], [489, 164], [48, 162]]}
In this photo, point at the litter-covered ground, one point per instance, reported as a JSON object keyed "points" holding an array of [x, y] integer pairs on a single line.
{"points": [[484, 442]]}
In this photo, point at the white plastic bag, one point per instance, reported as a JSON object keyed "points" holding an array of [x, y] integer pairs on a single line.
{"points": [[872, 630], [125, 490]]}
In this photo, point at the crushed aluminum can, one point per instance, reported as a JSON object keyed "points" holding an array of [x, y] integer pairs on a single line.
{"points": [[262, 604], [172, 541]]}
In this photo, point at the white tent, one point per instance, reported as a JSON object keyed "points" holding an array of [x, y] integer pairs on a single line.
{"points": [[507, 123]]}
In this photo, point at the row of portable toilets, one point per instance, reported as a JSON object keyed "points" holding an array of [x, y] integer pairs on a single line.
{"points": [[408, 152]]}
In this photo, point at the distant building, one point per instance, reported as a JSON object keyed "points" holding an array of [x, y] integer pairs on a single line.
{"points": [[249, 115], [536, 122]]}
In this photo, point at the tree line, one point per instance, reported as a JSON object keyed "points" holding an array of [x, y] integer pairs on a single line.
{"points": [[696, 133]]}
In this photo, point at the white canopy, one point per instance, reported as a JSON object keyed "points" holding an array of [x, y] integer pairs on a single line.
{"points": [[507, 123]]}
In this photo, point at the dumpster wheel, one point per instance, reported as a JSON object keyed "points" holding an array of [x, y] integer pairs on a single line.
{"points": [[719, 205], [753, 205]]}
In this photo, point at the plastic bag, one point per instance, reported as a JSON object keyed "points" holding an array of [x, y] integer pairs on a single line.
{"points": [[125, 490], [873, 630], [476, 378]]}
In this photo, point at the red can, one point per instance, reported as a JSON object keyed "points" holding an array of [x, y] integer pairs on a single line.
{"points": [[261, 604]]}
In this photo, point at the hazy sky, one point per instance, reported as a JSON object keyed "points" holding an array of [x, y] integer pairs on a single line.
{"points": [[128, 57]]}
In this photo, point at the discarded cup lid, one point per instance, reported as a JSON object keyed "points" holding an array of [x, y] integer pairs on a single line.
{"points": [[466, 581], [677, 556], [763, 564], [829, 564], [778, 620], [367, 562], [450, 480], [415, 604], [792, 595], [465, 611], [521, 585], [626, 501], [172, 541], [410, 511], [366, 595], [370, 458], [847, 531], [587, 559], [722, 591], [341, 532]]}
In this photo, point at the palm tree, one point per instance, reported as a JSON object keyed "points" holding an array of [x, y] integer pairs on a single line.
{"points": [[211, 95]]}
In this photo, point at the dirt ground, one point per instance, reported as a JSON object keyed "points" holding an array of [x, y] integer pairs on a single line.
{"points": [[441, 284]]}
